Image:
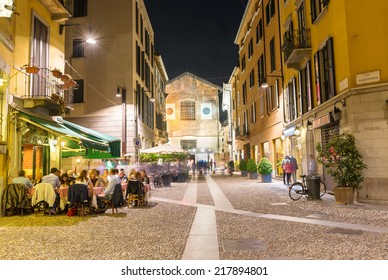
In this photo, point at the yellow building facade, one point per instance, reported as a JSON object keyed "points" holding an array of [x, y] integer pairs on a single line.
{"points": [[258, 85], [336, 82]]}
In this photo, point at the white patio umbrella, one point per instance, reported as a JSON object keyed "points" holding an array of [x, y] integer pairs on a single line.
{"points": [[163, 149]]}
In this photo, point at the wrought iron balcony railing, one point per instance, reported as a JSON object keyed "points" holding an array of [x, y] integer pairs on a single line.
{"points": [[296, 46]]}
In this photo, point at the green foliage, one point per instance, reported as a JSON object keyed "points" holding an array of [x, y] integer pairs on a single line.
{"points": [[265, 166], [251, 166], [342, 161], [180, 157], [243, 165]]}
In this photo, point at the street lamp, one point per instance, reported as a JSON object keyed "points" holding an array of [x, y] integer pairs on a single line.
{"points": [[89, 40], [264, 79]]}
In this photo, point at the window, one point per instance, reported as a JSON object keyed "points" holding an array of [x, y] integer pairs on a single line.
{"points": [[270, 10], [273, 97], [261, 105], [272, 54], [317, 7], [250, 49], [324, 72], [78, 48], [80, 8], [291, 101], [305, 89], [259, 31], [244, 90], [253, 112], [138, 59], [243, 63], [252, 78], [188, 144], [79, 92], [261, 69], [187, 110]]}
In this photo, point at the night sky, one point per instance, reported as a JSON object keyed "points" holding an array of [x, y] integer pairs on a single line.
{"points": [[197, 36]]}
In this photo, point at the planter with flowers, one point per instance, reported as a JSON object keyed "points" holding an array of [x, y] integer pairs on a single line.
{"points": [[243, 168], [344, 163]]}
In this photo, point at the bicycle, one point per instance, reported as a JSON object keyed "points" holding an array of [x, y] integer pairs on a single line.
{"points": [[158, 181], [298, 189]]}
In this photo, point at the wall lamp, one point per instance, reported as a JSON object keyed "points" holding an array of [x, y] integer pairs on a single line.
{"points": [[337, 111], [263, 80], [89, 40]]}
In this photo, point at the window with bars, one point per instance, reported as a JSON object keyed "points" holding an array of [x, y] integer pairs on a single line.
{"points": [[188, 144], [187, 110]]}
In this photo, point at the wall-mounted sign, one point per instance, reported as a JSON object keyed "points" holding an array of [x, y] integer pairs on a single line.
{"points": [[206, 111], [369, 77]]}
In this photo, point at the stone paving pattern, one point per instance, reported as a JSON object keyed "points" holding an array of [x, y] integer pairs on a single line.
{"points": [[161, 230]]}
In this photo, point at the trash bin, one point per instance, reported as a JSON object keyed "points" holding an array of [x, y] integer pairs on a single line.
{"points": [[313, 187]]}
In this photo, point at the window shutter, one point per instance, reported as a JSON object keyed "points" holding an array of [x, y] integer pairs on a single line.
{"points": [[330, 52], [317, 83]]}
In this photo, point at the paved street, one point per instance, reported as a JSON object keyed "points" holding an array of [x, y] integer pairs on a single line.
{"points": [[212, 217]]}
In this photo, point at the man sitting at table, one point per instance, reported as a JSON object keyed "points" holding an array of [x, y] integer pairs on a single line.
{"points": [[22, 179], [113, 180], [53, 179]]}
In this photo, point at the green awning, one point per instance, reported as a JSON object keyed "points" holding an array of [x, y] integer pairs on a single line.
{"points": [[79, 141]]}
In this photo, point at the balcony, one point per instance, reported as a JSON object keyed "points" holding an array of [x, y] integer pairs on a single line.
{"points": [[241, 133], [296, 47], [59, 9], [44, 89]]}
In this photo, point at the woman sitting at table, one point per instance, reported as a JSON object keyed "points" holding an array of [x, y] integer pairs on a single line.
{"points": [[63, 191], [84, 179], [94, 178], [135, 185]]}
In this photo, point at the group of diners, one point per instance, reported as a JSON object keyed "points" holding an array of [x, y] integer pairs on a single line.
{"points": [[100, 186]]}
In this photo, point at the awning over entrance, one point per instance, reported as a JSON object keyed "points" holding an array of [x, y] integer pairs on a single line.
{"points": [[77, 140]]}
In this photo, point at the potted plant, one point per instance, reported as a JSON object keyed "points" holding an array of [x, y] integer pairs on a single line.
{"points": [[31, 69], [265, 170], [56, 73], [344, 163], [243, 168], [252, 169]]}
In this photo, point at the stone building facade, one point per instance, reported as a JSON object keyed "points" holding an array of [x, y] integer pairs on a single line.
{"points": [[192, 113]]}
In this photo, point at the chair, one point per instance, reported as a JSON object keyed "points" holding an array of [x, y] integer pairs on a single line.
{"points": [[78, 197], [43, 198], [14, 199], [117, 198], [134, 193]]}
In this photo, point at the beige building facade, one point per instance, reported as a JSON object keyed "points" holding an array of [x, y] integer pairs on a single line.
{"points": [[193, 117], [116, 75]]}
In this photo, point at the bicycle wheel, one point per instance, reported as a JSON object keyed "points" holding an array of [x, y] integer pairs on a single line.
{"points": [[296, 191], [322, 189]]}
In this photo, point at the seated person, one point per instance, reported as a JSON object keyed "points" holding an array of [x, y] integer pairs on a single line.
{"points": [[113, 180], [22, 179], [134, 185]]}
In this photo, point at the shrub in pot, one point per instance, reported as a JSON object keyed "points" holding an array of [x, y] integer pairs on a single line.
{"points": [[243, 168], [252, 169], [265, 170]]}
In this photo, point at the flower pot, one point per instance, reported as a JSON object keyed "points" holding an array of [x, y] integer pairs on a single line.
{"points": [[266, 178], [253, 175], [57, 73], [32, 69], [343, 195], [244, 173]]}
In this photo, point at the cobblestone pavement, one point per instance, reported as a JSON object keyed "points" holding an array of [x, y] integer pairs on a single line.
{"points": [[263, 224]]}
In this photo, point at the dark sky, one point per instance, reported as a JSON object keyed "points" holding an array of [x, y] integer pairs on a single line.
{"points": [[197, 36]]}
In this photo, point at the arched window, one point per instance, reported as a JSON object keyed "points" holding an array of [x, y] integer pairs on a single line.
{"points": [[187, 110]]}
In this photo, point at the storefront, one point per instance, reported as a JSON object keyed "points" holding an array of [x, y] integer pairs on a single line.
{"points": [[41, 143]]}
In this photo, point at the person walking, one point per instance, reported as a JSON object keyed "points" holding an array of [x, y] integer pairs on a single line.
{"points": [[287, 170], [294, 164]]}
